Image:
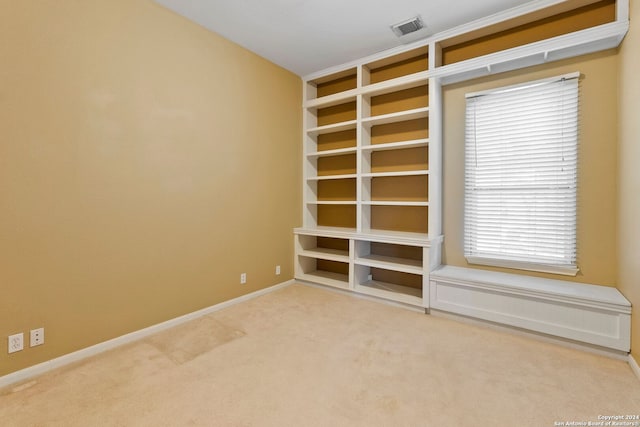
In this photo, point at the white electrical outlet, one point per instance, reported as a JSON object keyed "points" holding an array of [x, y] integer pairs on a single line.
{"points": [[37, 337], [243, 278], [277, 270], [16, 342]]}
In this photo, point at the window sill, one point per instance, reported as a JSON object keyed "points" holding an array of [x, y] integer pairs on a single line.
{"points": [[521, 265]]}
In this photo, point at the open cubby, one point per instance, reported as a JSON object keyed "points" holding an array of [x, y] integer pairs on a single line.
{"points": [[399, 131], [395, 285], [519, 32], [343, 216], [332, 84], [408, 280], [411, 219], [336, 140], [387, 250], [393, 102], [333, 273], [341, 245], [337, 165], [407, 159], [413, 188], [403, 64], [394, 256], [337, 189], [337, 267], [327, 247], [336, 113]]}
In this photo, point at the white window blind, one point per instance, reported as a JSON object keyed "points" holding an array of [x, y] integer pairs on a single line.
{"points": [[521, 176]]}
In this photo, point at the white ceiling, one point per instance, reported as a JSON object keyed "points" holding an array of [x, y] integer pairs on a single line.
{"points": [[305, 36]]}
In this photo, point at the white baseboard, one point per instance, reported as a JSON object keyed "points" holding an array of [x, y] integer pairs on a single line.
{"points": [[41, 368], [634, 366], [353, 294]]}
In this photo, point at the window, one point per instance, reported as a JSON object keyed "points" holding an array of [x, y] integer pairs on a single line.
{"points": [[521, 176]]}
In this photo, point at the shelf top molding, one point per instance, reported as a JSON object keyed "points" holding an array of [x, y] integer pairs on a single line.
{"points": [[391, 263], [333, 99], [333, 202], [380, 236], [602, 37], [396, 173], [394, 203], [576, 43], [397, 145], [327, 254], [383, 119], [326, 177], [336, 127], [334, 152]]}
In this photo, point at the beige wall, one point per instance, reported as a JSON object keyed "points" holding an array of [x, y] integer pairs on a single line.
{"points": [[144, 164], [629, 188], [597, 210]]}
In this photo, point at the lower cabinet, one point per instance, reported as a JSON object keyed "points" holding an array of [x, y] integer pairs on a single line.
{"points": [[394, 267]]}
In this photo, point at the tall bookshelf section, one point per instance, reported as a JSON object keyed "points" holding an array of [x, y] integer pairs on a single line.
{"points": [[372, 141], [394, 144], [330, 162], [369, 224]]}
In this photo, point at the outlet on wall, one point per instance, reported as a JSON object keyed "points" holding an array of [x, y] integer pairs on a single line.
{"points": [[243, 278], [16, 342], [277, 270], [37, 337]]}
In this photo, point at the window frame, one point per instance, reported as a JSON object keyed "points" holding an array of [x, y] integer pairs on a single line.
{"points": [[537, 266]]}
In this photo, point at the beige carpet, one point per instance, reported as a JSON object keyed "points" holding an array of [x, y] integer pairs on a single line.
{"points": [[304, 356]]}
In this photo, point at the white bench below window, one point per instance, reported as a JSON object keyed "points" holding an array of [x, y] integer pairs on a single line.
{"points": [[593, 314]]}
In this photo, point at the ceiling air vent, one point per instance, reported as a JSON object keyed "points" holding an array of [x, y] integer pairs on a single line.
{"points": [[407, 27]]}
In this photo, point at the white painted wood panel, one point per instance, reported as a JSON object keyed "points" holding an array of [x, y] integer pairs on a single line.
{"points": [[591, 314]]}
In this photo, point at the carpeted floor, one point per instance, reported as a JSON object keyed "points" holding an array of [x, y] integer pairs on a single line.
{"points": [[303, 356]]}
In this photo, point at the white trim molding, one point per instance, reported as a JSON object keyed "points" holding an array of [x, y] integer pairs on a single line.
{"points": [[44, 367], [597, 315], [349, 293], [522, 265], [634, 366]]}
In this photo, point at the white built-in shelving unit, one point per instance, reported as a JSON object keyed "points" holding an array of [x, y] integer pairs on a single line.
{"points": [[372, 203]]}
